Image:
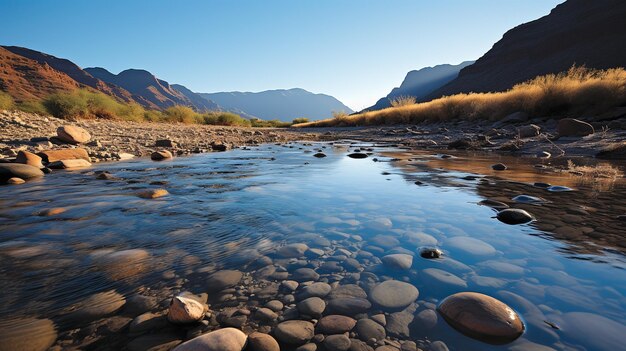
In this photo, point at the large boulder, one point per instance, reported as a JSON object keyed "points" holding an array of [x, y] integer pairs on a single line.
{"points": [[227, 339], [63, 154], [18, 170], [73, 134], [574, 127], [481, 317]]}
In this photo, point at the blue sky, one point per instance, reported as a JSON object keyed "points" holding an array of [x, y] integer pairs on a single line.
{"points": [[354, 50]]}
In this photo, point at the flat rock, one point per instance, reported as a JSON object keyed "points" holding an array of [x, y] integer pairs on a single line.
{"points": [[437, 277], [348, 306], [398, 261], [221, 280], [294, 332], [18, 170], [226, 339], [593, 331], [27, 334], [69, 164], [313, 306], [470, 245], [28, 158], [573, 127], [481, 317], [318, 289], [73, 134], [292, 250], [393, 294], [63, 154], [348, 290], [335, 324], [119, 265], [338, 342], [97, 306]]}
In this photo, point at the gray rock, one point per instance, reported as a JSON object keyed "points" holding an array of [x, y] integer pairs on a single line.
{"points": [[338, 342], [335, 324], [305, 274], [348, 306], [368, 329], [226, 339], [262, 342], [221, 280], [393, 295], [294, 332], [398, 261], [27, 334], [293, 250], [314, 290], [313, 306], [18, 170]]}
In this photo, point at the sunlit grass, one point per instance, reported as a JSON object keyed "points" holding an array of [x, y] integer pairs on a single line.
{"points": [[575, 92]]}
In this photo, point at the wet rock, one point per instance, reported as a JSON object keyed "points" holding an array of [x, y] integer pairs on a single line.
{"points": [[558, 188], [184, 310], [319, 155], [292, 250], [305, 274], [349, 306], [440, 278], [28, 158], [335, 324], [139, 304], [165, 143], [18, 170], [15, 181], [398, 261], [289, 285], [527, 199], [275, 305], [64, 154], [398, 322], [528, 131], [338, 342], [73, 134], [97, 306], [357, 155], [315, 290], [227, 339], [307, 347], [368, 329], [161, 155], [313, 306], [265, 314], [154, 342], [593, 331], [393, 294], [348, 290], [574, 127], [26, 334], [147, 322], [358, 345], [470, 245], [499, 167], [262, 342], [221, 280], [426, 319], [514, 216], [430, 252], [494, 204], [152, 193], [438, 346], [123, 264], [294, 332], [69, 164], [481, 317]]}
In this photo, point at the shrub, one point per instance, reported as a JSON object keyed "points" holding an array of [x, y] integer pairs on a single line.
{"points": [[300, 120], [6, 101], [182, 114], [260, 123], [32, 106], [575, 92], [402, 101], [66, 105]]}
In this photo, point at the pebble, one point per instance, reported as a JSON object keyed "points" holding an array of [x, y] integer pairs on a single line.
{"points": [[152, 193], [305, 274], [430, 252], [338, 342], [221, 280], [440, 278], [368, 329], [481, 317], [97, 306], [313, 306], [226, 339], [393, 294], [348, 306], [18, 170], [335, 324], [292, 250], [27, 334], [471, 246], [499, 167], [357, 155], [294, 332], [15, 181], [318, 289], [262, 342], [161, 155], [319, 155], [514, 216], [73, 134], [398, 261], [184, 310], [275, 305]]}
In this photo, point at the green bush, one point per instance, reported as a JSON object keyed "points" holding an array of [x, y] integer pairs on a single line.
{"points": [[182, 114], [32, 106], [260, 123], [67, 105], [300, 120], [6, 101]]}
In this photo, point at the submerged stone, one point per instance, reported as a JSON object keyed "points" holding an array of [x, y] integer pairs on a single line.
{"points": [[393, 294], [514, 216]]}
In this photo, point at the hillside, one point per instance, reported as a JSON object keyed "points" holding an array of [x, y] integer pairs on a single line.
{"points": [[26, 79], [284, 105], [419, 83], [581, 32], [200, 104], [72, 70]]}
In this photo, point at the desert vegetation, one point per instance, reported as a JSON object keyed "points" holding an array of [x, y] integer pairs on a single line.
{"points": [[402, 101], [88, 104], [578, 91]]}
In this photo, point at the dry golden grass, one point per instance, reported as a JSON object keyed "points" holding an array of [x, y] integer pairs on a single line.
{"points": [[402, 101], [575, 92], [601, 176]]}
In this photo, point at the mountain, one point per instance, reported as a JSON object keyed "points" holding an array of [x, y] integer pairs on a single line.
{"points": [[581, 32], [420, 83], [284, 105], [26, 79], [200, 103], [72, 70], [155, 93]]}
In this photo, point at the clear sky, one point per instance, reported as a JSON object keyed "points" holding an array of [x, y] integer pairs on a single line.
{"points": [[354, 50]]}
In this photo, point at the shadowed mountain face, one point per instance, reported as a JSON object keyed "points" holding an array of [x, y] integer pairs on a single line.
{"points": [[154, 92], [581, 32], [421, 82], [200, 103], [284, 105], [26, 79], [72, 70]]}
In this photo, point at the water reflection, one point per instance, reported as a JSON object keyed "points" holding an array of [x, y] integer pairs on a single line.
{"points": [[85, 267]]}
